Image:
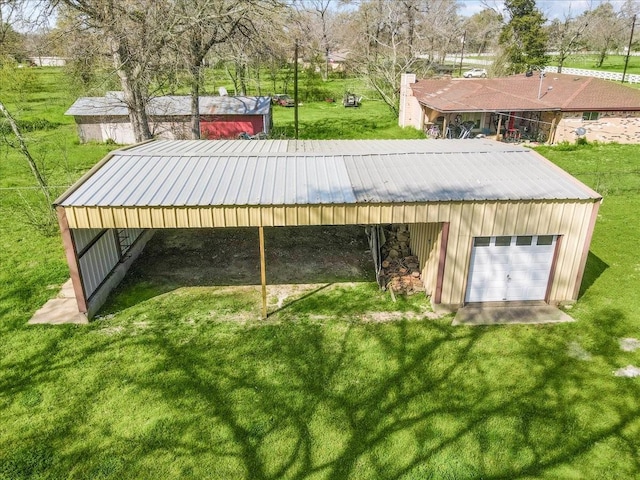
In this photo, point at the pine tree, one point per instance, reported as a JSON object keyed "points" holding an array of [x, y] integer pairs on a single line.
{"points": [[523, 37]]}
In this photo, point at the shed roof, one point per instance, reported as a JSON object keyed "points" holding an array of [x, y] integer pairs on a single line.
{"points": [[520, 93], [172, 105], [237, 172], [209, 147]]}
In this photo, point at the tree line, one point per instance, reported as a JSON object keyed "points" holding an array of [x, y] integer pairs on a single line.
{"points": [[161, 46]]}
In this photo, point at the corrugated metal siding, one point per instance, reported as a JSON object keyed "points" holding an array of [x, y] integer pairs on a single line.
{"points": [[568, 219], [128, 237], [98, 262], [82, 237], [230, 126], [255, 216], [425, 241], [89, 129]]}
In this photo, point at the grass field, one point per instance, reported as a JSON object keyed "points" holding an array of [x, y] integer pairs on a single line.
{"points": [[189, 384], [612, 63]]}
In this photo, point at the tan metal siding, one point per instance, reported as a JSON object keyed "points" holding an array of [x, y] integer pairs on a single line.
{"points": [[425, 243], [568, 218], [570, 254], [457, 256]]}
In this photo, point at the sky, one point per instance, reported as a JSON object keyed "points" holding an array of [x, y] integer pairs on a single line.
{"points": [[550, 8]]}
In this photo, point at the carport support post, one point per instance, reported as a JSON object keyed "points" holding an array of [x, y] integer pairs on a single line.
{"points": [[263, 273]]}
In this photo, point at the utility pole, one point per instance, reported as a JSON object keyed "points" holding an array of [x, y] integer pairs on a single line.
{"points": [[464, 37], [295, 91], [626, 60]]}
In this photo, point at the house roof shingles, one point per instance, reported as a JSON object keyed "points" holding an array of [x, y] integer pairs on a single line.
{"points": [[519, 93]]}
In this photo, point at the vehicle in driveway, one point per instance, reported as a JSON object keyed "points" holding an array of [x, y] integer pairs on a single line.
{"points": [[283, 100], [475, 73]]}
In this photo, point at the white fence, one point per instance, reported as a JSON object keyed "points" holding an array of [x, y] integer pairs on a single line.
{"points": [[630, 78]]}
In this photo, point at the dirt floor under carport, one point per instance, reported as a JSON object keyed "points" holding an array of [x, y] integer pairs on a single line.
{"points": [[231, 256]]}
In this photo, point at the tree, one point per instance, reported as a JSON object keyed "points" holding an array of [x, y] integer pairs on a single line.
{"points": [[523, 38], [323, 31], [605, 31], [381, 48], [565, 36], [22, 146], [201, 24], [135, 34], [387, 38], [482, 30]]}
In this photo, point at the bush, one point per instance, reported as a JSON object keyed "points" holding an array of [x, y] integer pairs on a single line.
{"points": [[35, 125]]}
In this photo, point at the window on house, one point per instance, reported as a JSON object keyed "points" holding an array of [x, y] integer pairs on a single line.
{"points": [[590, 116]]}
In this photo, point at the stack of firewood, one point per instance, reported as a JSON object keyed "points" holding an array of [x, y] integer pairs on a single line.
{"points": [[400, 270]]}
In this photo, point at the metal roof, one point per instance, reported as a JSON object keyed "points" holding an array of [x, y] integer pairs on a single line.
{"points": [[113, 105], [217, 147], [159, 174]]}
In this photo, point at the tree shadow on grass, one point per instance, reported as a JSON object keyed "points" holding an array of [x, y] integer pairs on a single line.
{"points": [[331, 399]]}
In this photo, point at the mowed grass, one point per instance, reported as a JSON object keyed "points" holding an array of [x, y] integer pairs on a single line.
{"points": [[324, 120], [190, 384], [611, 63]]}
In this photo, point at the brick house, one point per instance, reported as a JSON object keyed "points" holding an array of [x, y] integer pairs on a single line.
{"points": [[553, 108]]}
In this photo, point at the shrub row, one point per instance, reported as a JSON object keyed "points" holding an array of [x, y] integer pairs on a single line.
{"points": [[29, 125]]}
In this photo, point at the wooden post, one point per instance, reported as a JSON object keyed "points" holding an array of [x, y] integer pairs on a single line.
{"points": [[499, 127], [444, 128], [552, 132], [263, 274], [295, 92]]}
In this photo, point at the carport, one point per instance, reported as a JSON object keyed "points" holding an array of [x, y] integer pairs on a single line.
{"points": [[457, 197]]}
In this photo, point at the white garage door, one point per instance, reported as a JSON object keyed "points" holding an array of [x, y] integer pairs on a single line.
{"points": [[510, 268]]}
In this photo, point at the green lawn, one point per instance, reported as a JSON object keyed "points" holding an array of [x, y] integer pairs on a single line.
{"points": [[190, 384], [612, 63]]}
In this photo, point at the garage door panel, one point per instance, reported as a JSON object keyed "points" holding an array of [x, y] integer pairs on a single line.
{"points": [[509, 273], [489, 260]]}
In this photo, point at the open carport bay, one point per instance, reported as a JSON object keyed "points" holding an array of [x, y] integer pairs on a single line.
{"points": [[231, 256]]}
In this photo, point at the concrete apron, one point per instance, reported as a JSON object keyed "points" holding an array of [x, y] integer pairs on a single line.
{"points": [[59, 310], [510, 313]]}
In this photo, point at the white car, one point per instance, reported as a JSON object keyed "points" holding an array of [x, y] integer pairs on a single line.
{"points": [[475, 73]]}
